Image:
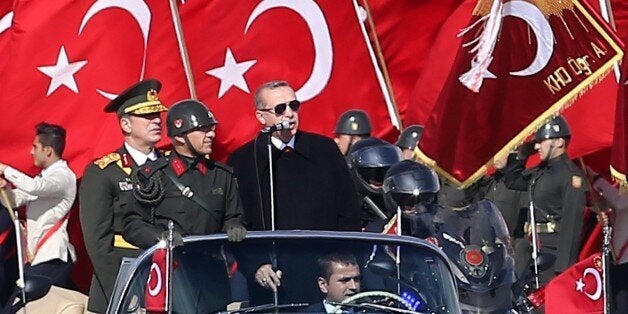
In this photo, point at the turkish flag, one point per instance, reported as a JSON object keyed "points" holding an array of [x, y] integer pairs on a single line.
{"points": [[619, 157], [66, 59], [542, 58], [405, 52], [577, 290], [587, 116], [60, 61], [318, 47], [157, 286]]}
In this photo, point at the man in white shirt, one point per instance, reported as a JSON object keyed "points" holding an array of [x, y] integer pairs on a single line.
{"points": [[48, 198]]}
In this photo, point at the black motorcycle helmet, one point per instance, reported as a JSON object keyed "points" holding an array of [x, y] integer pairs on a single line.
{"points": [[409, 137], [187, 115], [408, 183], [557, 127], [369, 159], [353, 122]]}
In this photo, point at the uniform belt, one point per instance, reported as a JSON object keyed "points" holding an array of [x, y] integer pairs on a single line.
{"points": [[542, 227], [121, 243]]}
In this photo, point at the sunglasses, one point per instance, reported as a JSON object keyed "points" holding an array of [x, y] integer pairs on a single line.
{"points": [[281, 108]]}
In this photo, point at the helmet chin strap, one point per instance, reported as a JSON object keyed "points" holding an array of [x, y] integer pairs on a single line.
{"points": [[190, 146], [550, 151]]}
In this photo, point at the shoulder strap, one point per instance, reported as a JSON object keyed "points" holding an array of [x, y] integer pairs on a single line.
{"points": [[50, 232], [187, 192]]}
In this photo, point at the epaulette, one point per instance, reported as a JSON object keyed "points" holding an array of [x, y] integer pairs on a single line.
{"points": [[106, 160], [222, 166], [149, 168]]}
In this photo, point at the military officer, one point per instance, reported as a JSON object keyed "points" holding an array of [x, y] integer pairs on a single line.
{"points": [[352, 126], [557, 192], [198, 194], [107, 179], [408, 140]]}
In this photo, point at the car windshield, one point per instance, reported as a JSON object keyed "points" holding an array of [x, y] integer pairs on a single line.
{"points": [[210, 274]]}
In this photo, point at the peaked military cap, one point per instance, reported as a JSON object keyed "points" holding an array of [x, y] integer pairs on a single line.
{"points": [[139, 99]]}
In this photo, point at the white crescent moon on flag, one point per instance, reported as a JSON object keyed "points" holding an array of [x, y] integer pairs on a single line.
{"points": [[542, 31], [153, 291], [6, 21], [323, 50], [598, 283], [140, 12]]}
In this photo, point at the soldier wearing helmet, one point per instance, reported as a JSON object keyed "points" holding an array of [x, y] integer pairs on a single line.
{"points": [[408, 140], [412, 187], [557, 190], [352, 126], [368, 160], [198, 194]]}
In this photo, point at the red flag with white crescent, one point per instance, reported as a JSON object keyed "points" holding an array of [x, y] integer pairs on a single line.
{"points": [[579, 289], [319, 47], [619, 151], [157, 286], [520, 64], [67, 59]]}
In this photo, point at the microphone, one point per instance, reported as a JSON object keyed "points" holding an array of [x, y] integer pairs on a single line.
{"points": [[283, 125]]}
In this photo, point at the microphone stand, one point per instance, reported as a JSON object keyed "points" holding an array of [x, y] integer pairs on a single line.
{"points": [[18, 239], [273, 257]]}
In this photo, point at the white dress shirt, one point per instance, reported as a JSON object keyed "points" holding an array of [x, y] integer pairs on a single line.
{"points": [[48, 198], [280, 144], [139, 157]]}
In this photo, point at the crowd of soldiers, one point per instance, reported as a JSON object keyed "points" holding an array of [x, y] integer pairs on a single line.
{"points": [[129, 196]]}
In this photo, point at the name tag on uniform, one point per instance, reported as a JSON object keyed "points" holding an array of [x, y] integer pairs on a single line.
{"points": [[125, 186]]}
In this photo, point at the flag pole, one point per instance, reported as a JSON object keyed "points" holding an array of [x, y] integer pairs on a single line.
{"points": [[606, 237], [18, 240], [607, 15], [178, 28], [381, 69]]}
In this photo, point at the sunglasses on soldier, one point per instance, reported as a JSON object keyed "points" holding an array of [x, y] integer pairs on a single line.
{"points": [[281, 108]]}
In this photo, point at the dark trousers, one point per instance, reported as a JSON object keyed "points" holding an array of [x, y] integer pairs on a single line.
{"points": [[57, 270]]}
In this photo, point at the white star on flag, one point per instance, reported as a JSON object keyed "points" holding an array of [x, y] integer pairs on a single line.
{"points": [[580, 285], [62, 73], [231, 74]]}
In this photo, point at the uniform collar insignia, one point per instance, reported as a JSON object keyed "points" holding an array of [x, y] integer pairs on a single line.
{"points": [[201, 167], [126, 160], [177, 165]]}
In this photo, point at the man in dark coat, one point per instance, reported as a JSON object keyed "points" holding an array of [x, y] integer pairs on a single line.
{"points": [[199, 195], [107, 179], [312, 185], [313, 188], [557, 190]]}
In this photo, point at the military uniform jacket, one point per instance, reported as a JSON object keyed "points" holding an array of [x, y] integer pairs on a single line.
{"points": [[104, 183], [313, 187], [208, 180], [559, 195]]}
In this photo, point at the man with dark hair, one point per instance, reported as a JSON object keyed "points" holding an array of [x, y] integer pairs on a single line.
{"points": [[48, 198], [338, 279], [312, 185], [108, 178]]}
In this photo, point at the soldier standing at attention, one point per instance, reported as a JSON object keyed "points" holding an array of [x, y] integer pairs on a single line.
{"points": [[557, 192]]}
